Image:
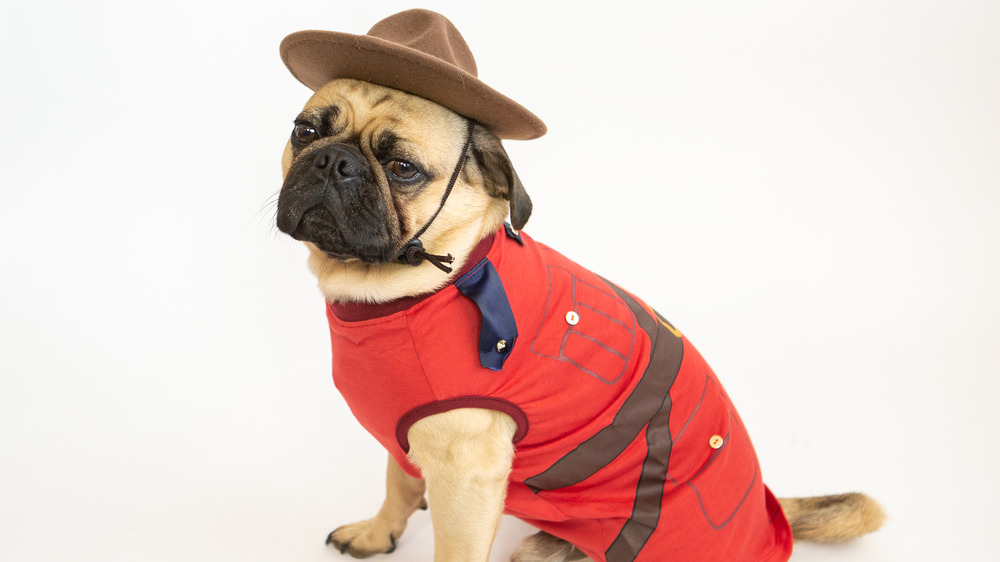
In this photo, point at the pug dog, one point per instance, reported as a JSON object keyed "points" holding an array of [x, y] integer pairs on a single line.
{"points": [[501, 376]]}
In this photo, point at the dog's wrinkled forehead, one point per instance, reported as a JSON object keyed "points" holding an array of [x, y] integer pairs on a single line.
{"points": [[381, 119]]}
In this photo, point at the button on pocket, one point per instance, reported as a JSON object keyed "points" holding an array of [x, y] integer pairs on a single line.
{"points": [[715, 460], [587, 326]]}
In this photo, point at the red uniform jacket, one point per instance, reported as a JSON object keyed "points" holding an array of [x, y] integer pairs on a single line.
{"points": [[627, 445]]}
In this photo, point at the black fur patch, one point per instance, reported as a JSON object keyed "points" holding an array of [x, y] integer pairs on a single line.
{"points": [[385, 145], [329, 121]]}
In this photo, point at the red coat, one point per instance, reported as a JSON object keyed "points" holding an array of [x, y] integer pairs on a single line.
{"points": [[627, 445]]}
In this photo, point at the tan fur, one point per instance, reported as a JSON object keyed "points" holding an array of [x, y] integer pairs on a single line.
{"points": [[543, 547], [465, 456], [833, 518]]}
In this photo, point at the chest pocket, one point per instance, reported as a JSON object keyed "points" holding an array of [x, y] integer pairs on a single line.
{"points": [[715, 460], [587, 326]]}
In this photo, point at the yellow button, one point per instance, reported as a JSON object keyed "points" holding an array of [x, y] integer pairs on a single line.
{"points": [[716, 441], [502, 346]]}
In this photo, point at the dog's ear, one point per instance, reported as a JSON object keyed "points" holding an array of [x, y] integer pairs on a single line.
{"points": [[498, 175]]}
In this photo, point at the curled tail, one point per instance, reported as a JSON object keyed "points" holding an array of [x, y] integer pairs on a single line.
{"points": [[832, 518]]}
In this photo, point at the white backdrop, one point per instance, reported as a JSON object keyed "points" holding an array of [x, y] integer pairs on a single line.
{"points": [[810, 190]]}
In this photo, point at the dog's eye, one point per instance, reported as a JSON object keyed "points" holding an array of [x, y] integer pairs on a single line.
{"points": [[402, 169], [304, 133]]}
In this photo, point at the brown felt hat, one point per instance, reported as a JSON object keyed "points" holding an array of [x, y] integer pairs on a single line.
{"points": [[417, 51]]}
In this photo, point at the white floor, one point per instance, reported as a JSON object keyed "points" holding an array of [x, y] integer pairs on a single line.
{"points": [[809, 190]]}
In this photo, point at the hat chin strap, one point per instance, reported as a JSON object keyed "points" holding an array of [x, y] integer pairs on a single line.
{"points": [[412, 252]]}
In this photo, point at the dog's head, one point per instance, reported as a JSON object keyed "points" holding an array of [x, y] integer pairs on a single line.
{"points": [[366, 168]]}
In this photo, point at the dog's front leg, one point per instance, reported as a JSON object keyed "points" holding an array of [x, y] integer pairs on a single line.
{"points": [[465, 456], [403, 495]]}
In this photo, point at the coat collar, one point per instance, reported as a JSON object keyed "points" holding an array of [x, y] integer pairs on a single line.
{"points": [[350, 311]]}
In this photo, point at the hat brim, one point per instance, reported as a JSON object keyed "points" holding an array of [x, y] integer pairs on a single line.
{"points": [[317, 57]]}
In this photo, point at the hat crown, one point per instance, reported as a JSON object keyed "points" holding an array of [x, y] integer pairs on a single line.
{"points": [[419, 52], [427, 32]]}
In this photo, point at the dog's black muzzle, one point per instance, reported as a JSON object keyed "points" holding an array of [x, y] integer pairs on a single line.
{"points": [[330, 198]]}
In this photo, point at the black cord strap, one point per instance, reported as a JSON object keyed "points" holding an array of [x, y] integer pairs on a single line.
{"points": [[413, 252]]}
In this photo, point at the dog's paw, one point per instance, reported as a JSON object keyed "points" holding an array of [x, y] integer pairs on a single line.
{"points": [[363, 539], [543, 547]]}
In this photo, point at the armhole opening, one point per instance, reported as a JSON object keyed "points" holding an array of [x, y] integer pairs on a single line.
{"points": [[440, 406]]}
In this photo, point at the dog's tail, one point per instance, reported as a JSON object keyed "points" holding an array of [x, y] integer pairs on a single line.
{"points": [[832, 518]]}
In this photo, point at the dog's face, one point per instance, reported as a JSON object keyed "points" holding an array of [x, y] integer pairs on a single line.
{"points": [[366, 167]]}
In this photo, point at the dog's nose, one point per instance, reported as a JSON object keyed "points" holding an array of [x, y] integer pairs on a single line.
{"points": [[335, 177], [339, 162]]}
